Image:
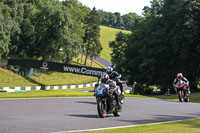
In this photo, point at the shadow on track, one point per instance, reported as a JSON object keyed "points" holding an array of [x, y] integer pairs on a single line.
{"points": [[85, 102], [84, 115]]}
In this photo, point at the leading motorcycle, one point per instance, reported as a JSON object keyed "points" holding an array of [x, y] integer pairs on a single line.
{"points": [[106, 99], [181, 87]]}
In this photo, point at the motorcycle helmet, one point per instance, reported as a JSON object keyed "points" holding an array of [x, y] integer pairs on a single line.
{"points": [[179, 75], [104, 78], [109, 69]]}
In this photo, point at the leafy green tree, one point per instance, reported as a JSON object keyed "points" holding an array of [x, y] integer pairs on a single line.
{"points": [[104, 17], [50, 30], [15, 17], [144, 46], [22, 44], [182, 26], [119, 21], [92, 33], [17, 14], [112, 19], [118, 47], [79, 13], [129, 20], [5, 29], [165, 43], [134, 53], [45, 28]]}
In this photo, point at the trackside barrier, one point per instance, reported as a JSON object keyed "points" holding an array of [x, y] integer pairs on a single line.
{"points": [[33, 88]]}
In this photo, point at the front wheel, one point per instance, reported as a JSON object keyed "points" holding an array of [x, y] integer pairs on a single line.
{"points": [[117, 112], [101, 108], [180, 96]]}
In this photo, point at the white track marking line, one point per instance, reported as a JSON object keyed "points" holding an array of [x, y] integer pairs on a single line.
{"points": [[98, 129]]}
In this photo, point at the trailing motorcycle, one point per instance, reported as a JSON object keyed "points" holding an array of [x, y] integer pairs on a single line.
{"points": [[106, 99], [181, 87]]}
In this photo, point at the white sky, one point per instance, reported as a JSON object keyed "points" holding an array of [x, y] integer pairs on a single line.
{"points": [[122, 6]]}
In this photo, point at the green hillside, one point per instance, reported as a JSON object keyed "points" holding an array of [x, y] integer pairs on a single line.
{"points": [[107, 35], [9, 78]]}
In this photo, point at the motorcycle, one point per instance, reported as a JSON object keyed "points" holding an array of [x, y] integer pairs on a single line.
{"points": [[181, 87], [106, 99]]}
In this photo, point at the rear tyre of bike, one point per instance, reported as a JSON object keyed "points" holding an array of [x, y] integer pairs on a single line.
{"points": [[180, 96], [101, 109]]}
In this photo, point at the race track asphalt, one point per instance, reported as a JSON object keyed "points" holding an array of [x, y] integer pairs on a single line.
{"points": [[47, 115], [103, 61], [60, 115]]}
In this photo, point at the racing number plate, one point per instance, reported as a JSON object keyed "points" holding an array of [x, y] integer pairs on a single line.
{"points": [[99, 92]]}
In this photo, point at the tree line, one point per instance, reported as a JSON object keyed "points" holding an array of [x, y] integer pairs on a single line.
{"points": [[48, 30], [116, 20], [164, 42]]}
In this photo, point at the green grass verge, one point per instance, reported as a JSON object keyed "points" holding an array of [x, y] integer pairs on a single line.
{"points": [[189, 126], [47, 93], [194, 97], [56, 93], [108, 34]]}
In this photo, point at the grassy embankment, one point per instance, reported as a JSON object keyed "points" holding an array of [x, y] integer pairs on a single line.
{"points": [[10, 79]]}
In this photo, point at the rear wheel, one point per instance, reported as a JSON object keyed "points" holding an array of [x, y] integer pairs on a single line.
{"points": [[101, 108]]}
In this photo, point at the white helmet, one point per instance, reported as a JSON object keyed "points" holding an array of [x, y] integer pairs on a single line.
{"points": [[179, 75], [109, 69]]}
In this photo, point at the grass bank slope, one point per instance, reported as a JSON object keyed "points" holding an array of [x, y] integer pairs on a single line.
{"points": [[108, 34], [10, 79]]}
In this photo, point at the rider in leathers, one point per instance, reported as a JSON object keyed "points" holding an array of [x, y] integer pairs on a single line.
{"points": [[116, 77], [180, 77]]}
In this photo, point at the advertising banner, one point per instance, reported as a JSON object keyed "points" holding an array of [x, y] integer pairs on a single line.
{"points": [[59, 67]]}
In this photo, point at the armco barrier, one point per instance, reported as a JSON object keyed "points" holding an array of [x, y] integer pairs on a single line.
{"points": [[29, 88]]}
